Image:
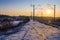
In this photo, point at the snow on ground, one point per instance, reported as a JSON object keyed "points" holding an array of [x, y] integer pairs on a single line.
{"points": [[16, 22], [34, 30]]}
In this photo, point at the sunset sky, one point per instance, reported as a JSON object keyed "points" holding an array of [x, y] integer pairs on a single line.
{"points": [[23, 7]]}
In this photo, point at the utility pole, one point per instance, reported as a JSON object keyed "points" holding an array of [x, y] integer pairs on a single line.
{"points": [[31, 15], [33, 11], [41, 13], [54, 11]]}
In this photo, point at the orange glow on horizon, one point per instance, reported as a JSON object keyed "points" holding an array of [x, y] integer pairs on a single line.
{"points": [[46, 13]]}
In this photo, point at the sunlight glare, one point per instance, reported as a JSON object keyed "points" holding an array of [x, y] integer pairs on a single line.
{"points": [[48, 11]]}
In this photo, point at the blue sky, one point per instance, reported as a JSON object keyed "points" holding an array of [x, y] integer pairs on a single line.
{"points": [[26, 4]]}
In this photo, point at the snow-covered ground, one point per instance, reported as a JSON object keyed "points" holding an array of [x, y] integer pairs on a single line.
{"points": [[34, 30], [16, 22]]}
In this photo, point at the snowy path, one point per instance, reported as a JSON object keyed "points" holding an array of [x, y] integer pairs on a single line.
{"points": [[34, 30]]}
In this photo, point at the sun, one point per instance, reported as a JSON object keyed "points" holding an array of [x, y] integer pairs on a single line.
{"points": [[49, 11]]}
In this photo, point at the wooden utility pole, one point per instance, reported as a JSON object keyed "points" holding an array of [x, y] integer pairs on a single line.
{"points": [[41, 13], [33, 12], [54, 11]]}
